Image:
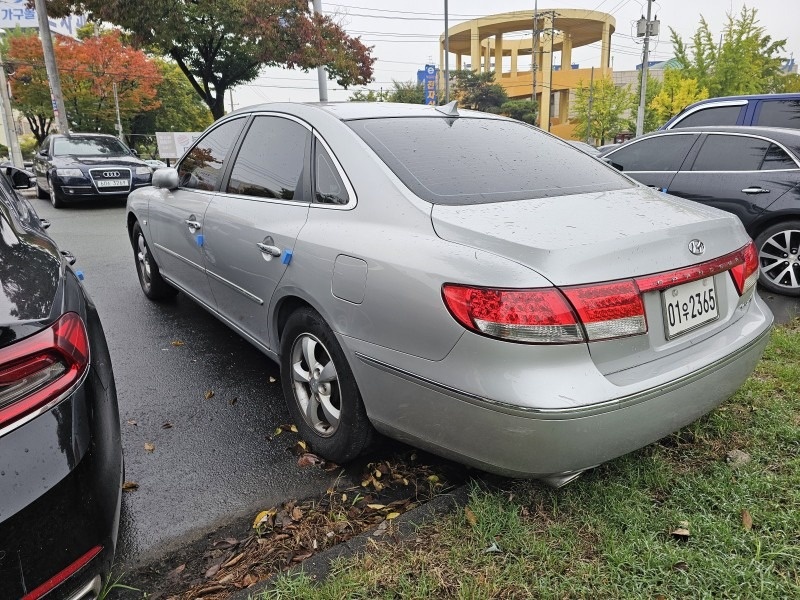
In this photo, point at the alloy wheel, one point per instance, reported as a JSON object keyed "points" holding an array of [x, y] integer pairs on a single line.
{"points": [[143, 257], [316, 384], [779, 259]]}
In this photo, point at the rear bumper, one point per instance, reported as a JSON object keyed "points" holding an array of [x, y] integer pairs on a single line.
{"points": [[555, 428]]}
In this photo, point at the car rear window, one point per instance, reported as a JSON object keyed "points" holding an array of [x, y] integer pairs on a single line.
{"points": [[475, 160]]}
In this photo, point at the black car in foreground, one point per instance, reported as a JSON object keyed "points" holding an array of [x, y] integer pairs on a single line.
{"points": [[60, 451], [752, 172], [87, 165]]}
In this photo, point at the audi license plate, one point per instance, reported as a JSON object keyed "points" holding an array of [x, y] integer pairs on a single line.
{"points": [[689, 306], [112, 183]]}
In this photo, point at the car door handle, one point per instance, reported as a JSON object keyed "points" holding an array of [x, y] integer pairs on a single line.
{"points": [[755, 190], [193, 225], [267, 249]]}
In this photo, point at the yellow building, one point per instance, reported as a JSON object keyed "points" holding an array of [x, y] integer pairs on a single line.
{"points": [[485, 41]]}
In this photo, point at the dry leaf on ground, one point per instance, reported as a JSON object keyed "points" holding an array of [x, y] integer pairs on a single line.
{"points": [[149, 447], [209, 394], [471, 518], [130, 486], [747, 520]]}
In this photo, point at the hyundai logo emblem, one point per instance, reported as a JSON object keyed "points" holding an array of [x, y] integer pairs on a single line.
{"points": [[110, 174], [697, 247]]}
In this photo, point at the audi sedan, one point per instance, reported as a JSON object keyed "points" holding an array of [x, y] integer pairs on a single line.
{"points": [[60, 451], [752, 172], [79, 166], [456, 280]]}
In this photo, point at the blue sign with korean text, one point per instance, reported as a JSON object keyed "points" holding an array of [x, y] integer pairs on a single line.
{"points": [[429, 84]]}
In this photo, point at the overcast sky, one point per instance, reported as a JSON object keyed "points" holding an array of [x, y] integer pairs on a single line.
{"points": [[405, 36]]}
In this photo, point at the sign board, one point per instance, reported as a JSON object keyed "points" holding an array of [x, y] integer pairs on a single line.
{"points": [[172, 144], [15, 13], [428, 77]]}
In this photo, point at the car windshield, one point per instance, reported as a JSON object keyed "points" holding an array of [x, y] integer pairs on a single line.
{"points": [[101, 146], [477, 160]]}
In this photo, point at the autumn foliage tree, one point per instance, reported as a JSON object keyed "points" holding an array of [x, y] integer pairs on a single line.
{"points": [[89, 69], [220, 44]]}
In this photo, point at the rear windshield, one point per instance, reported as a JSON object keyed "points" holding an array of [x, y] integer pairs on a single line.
{"points": [[474, 161], [88, 147]]}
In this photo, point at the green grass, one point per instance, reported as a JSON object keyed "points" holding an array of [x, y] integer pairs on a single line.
{"points": [[608, 535]]}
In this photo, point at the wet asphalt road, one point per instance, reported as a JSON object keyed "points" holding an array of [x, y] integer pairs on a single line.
{"points": [[215, 463]]}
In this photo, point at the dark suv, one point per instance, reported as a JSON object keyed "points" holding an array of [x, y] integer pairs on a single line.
{"points": [[87, 165], [765, 110]]}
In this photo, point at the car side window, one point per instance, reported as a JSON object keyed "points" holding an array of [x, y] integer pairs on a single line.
{"points": [[328, 186], [659, 153], [777, 158], [731, 153], [271, 162], [714, 115], [202, 166], [780, 113]]}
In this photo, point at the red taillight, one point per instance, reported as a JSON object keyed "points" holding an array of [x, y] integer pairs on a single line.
{"points": [[745, 275], [39, 369], [60, 577], [539, 316], [609, 310]]}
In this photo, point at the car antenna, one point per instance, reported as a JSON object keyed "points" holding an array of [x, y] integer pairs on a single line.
{"points": [[450, 110]]}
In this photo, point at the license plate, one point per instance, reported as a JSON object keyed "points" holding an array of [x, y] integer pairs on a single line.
{"points": [[689, 306], [112, 183]]}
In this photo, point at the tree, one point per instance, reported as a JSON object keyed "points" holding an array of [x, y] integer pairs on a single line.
{"points": [[28, 79], [181, 109], [89, 69], [677, 92], [747, 61], [409, 92], [522, 110], [220, 44], [651, 120], [478, 91], [368, 96], [609, 104]]}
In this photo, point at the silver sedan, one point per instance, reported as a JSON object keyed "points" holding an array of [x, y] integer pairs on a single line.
{"points": [[456, 280]]}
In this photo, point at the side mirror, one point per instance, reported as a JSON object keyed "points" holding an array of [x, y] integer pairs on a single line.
{"points": [[166, 178], [134, 152], [20, 178], [611, 163]]}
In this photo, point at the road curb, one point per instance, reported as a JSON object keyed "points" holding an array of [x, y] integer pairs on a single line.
{"points": [[318, 566]]}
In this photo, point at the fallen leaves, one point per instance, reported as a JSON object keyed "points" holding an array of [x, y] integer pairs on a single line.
{"points": [[132, 422], [470, 516], [177, 343], [209, 394], [149, 447], [281, 428], [166, 425], [130, 486], [747, 520], [308, 459], [682, 531], [737, 458]]}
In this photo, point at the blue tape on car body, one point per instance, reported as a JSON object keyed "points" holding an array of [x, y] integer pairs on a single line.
{"points": [[287, 256], [199, 239], [79, 275]]}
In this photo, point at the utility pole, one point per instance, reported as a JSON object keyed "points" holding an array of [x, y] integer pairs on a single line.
{"points": [[645, 28], [589, 111], [52, 69], [446, 57], [322, 77], [116, 106], [8, 118], [550, 85], [534, 48]]}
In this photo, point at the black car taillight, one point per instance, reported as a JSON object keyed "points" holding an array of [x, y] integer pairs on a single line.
{"points": [[37, 371]]}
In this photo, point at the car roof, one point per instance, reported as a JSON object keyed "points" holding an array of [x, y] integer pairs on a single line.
{"points": [[774, 132], [347, 111], [785, 96]]}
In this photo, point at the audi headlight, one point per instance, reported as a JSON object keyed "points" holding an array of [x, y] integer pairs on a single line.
{"points": [[69, 173], [143, 170]]}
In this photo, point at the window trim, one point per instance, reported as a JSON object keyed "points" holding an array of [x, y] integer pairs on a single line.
{"points": [[697, 135], [251, 117], [747, 135], [352, 200], [706, 106]]}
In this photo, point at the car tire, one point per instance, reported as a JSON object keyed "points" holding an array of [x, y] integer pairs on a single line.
{"points": [[153, 285], [323, 397], [779, 258], [40, 193], [55, 198]]}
